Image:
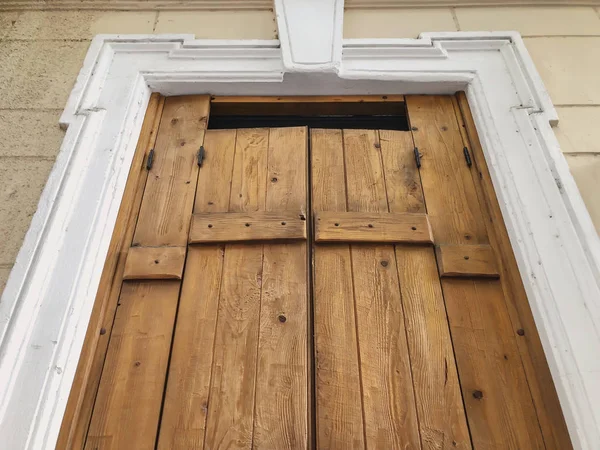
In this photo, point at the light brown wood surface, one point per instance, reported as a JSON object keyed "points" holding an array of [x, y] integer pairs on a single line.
{"points": [[452, 204], [78, 412], [498, 402], [415, 346], [154, 263], [466, 261], [255, 226], [281, 395], [128, 404], [541, 386], [308, 98], [183, 423], [338, 400], [230, 420], [169, 194], [127, 407], [389, 408], [441, 415], [372, 227], [253, 321]]}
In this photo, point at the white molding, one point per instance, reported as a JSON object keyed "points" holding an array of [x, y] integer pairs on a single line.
{"points": [[48, 298], [311, 33]]}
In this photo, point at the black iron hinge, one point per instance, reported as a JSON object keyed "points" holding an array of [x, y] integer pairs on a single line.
{"points": [[200, 156], [417, 158], [467, 156], [150, 160]]}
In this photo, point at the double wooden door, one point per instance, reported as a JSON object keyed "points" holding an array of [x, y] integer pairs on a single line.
{"points": [[300, 288]]}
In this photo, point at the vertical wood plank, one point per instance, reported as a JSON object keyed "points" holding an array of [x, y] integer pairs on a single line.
{"points": [[231, 402], [79, 408], [230, 420], [282, 372], [552, 422], [127, 407], [169, 194], [500, 409], [185, 408], [450, 195], [388, 399], [128, 403], [214, 180], [442, 421], [338, 397]]}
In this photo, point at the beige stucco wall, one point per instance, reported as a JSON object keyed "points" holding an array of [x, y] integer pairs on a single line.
{"points": [[42, 51]]}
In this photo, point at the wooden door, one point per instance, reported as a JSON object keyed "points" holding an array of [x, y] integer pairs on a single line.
{"points": [[312, 288]]}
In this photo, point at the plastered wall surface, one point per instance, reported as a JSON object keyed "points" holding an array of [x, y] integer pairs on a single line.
{"points": [[41, 53]]}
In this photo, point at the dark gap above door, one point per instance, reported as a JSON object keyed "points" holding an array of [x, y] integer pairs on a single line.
{"points": [[339, 122], [318, 112]]}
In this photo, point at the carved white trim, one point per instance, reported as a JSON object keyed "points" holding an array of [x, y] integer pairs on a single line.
{"points": [[49, 296], [311, 33]]}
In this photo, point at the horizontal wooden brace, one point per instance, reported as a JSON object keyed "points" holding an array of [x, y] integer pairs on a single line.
{"points": [[256, 226], [466, 261], [372, 227], [154, 263]]}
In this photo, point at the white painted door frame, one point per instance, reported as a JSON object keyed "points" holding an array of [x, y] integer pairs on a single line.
{"points": [[48, 299]]}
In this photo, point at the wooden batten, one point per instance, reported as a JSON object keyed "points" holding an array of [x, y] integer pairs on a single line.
{"points": [[256, 226], [466, 261], [372, 227], [154, 263]]}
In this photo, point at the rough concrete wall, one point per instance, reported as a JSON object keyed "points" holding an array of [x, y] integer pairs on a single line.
{"points": [[41, 53]]}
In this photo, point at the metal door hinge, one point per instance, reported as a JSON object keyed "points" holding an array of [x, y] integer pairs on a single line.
{"points": [[467, 156], [201, 154], [417, 158], [150, 160]]}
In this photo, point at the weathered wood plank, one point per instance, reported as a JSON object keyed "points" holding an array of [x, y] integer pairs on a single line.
{"points": [[127, 407], [506, 418], [230, 421], [466, 261], [442, 420], [154, 263], [495, 390], [372, 227], [169, 194], [450, 195], [134, 397], [308, 99], [541, 385], [89, 369], [387, 389], [281, 398], [232, 386], [255, 226], [281, 416], [339, 415], [249, 177], [185, 410], [214, 180]]}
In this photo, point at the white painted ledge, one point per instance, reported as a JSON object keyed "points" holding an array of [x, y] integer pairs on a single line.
{"points": [[49, 296]]}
